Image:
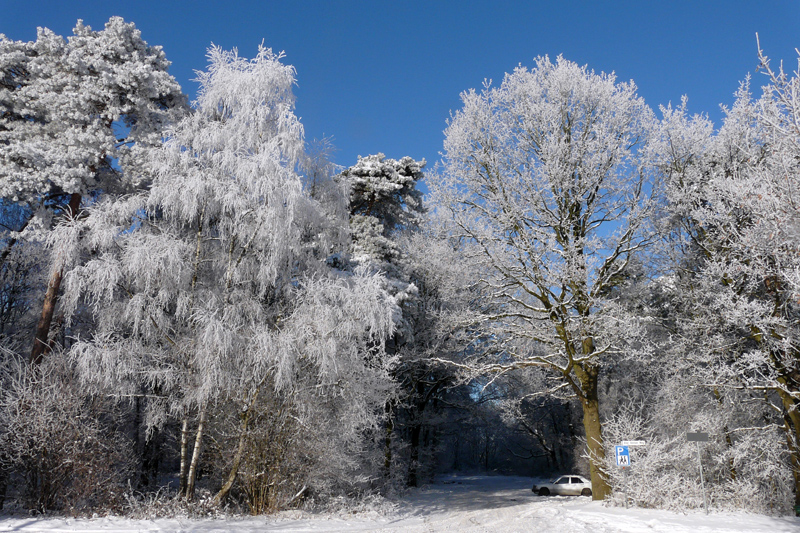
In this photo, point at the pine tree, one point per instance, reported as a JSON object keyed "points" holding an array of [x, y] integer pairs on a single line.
{"points": [[76, 117]]}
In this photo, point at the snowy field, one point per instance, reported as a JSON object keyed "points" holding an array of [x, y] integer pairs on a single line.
{"points": [[458, 504]]}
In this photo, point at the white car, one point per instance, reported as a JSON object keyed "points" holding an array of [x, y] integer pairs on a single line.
{"points": [[569, 485]]}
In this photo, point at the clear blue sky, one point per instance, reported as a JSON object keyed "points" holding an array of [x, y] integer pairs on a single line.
{"points": [[384, 75]]}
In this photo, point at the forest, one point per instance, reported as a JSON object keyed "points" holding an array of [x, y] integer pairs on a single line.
{"points": [[200, 310]]}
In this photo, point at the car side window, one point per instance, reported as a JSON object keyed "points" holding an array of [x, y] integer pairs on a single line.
{"points": [[562, 481], [576, 480]]}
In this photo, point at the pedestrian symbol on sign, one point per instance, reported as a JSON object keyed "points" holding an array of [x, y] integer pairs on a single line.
{"points": [[623, 457]]}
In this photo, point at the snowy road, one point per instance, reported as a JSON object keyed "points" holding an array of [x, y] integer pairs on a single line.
{"points": [[464, 504]]}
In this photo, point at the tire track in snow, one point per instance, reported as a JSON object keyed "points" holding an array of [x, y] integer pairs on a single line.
{"points": [[463, 504]]}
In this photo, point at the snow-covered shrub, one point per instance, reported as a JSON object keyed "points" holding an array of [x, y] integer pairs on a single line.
{"points": [[743, 468], [166, 504], [57, 443], [305, 446], [275, 463]]}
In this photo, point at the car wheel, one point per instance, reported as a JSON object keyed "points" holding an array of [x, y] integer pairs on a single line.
{"points": [[586, 492], [544, 492]]}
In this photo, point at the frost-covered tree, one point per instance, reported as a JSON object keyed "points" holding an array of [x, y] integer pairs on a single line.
{"points": [[546, 180], [432, 264], [384, 205], [76, 115], [384, 201], [213, 284], [735, 202]]}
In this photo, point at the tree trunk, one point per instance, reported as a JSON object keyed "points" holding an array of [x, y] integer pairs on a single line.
{"points": [[794, 461], [411, 481], [555, 458], [573, 435], [456, 462], [151, 458], [486, 450], [137, 424], [416, 431], [40, 343], [184, 456], [597, 454], [198, 442], [237, 458], [728, 440], [588, 377], [549, 451], [791, 419], [387, 442], [3, 481]]}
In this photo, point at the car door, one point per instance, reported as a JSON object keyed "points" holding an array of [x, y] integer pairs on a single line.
{"points": [[576, 486], [561, 486]]}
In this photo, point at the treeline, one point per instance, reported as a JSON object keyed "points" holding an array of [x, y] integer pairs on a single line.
{"points": [[199, 309]]}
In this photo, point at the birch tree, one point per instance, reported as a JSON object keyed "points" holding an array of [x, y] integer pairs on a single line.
{"points": [[205, 286], [546, 180]]}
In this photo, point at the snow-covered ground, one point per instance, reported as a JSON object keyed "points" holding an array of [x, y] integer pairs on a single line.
{"points": [[458, 504]]}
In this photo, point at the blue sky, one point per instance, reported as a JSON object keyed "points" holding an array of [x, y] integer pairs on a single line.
{"points": [[383, 76]]}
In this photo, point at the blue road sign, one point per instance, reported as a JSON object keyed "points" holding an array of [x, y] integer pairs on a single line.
{"points": [[623, 457]]}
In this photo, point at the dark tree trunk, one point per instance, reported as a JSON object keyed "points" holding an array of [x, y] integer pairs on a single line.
{"points": [[791, 419], [416, 429], [40, 344], [3, 481], [237, 458], [486, 450], [387, 442], [151, 459]]}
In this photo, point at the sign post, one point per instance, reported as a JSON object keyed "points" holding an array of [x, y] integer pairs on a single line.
{"points": [[698, 438], [633, 443], [624, 460], [623, 456]]}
